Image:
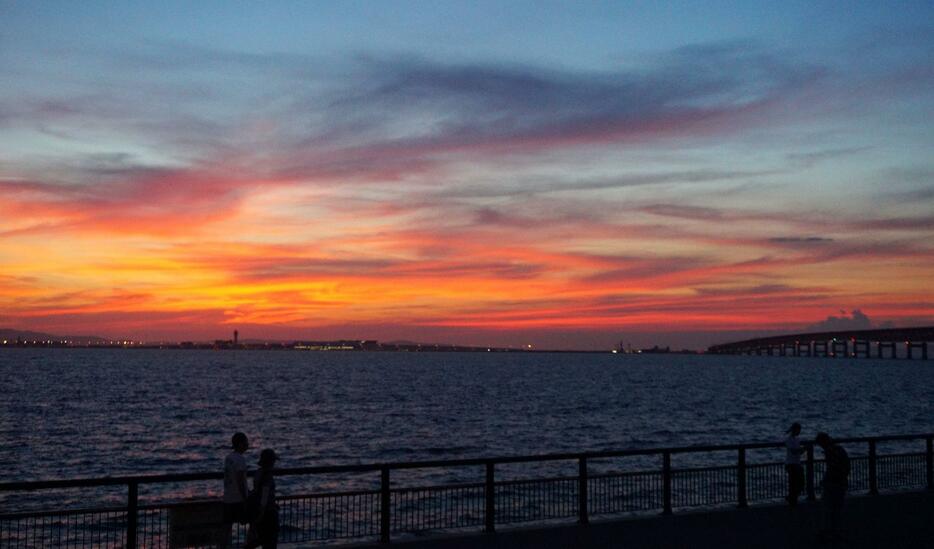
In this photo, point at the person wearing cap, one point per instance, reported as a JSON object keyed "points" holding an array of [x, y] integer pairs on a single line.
{"points": [[834, 485], [264, 530], [793, 451]]}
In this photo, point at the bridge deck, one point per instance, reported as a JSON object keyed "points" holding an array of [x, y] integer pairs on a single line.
{"points": [[917, 336], [893, 520]]}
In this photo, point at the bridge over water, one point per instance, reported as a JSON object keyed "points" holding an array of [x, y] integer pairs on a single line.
{"points": [[881, 343]]}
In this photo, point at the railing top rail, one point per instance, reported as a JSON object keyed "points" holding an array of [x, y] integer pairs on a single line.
{"points": [[369, 467]]}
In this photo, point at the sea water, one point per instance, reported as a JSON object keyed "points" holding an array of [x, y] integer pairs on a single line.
{"points": [[69, 413]]}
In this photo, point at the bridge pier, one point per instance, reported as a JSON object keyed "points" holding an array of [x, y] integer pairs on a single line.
{"points": [[860, 346], [820, 348], [923, 346], [836, 346], [882, 345], [803, 349]]}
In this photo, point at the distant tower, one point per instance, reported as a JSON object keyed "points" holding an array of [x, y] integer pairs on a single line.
{"points": [[236, 337]]}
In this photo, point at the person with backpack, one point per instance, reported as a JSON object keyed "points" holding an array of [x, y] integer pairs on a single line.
{"points": [[834, 485]]}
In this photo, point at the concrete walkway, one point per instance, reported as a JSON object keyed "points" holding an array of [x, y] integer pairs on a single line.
{"points": [[893, 520]]}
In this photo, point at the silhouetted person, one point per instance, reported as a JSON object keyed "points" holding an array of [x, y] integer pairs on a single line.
{"points": [[836, 477], [793, 451], [264, 531], [235, 490]]}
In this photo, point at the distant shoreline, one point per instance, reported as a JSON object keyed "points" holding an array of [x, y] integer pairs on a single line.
{"points": [[330, 347]]}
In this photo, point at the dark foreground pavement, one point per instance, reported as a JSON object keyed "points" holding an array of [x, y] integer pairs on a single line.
{"points": [[893, 520]]}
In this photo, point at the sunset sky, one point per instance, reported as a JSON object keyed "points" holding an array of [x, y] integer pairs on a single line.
{"points": [[562, 174]]}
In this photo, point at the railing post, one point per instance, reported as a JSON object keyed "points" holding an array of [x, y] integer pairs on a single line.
{"points": [[384, 505], [873, 483], [132, 509], [666, 483], [741, 478], [489, 492], [582, 515], [810, 473], [930, 460]]}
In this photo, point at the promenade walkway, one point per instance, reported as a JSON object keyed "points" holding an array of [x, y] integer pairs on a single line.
{"points": [[903, 520]]}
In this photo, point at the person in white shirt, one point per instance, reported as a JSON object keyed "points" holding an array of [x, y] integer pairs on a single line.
{"points": [[235, 489], [793, 451]]}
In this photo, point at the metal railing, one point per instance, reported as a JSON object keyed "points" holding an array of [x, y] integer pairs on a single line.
{"points": [[598, 488]]}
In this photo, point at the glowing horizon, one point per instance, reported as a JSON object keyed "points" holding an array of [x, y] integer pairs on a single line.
{"points": [[454, 174]]}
